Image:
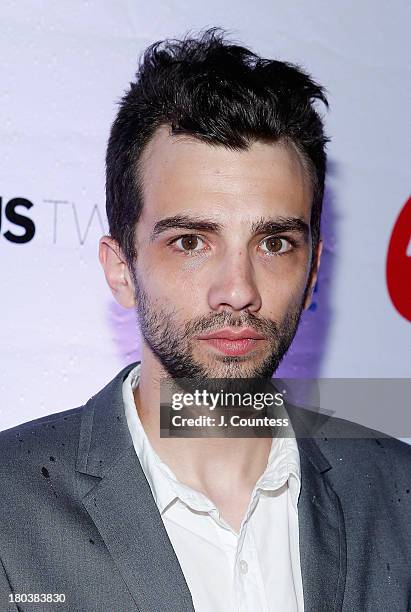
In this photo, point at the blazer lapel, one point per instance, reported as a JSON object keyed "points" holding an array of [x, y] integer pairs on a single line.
{"points": [[123, 509], [323, 546]]}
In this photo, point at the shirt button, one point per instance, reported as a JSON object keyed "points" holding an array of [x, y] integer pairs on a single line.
{"points": [[243, 566]]}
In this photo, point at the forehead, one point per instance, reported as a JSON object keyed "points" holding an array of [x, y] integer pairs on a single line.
{"points": [[183, 174]]}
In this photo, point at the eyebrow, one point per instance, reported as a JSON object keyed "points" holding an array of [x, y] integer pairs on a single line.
{"points": [[280, 224], [185, 222], [273, 225]]}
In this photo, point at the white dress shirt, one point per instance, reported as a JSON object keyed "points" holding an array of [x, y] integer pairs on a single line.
{"points": [[255, 570]]}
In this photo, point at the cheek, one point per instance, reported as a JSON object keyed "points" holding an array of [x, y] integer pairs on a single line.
{"points": [[177, 289], [282, 287], [174, 276]]}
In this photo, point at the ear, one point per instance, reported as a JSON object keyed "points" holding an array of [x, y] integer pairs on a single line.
{"points": [[116, 271], [313, 276]]}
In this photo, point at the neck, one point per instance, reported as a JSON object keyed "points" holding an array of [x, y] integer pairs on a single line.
{"points": [[218, 467]]}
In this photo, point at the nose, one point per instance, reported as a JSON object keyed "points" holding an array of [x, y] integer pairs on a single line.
{"points": [[234, 285]]}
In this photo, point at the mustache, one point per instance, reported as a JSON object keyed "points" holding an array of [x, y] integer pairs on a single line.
{"points": [[208, 324]]}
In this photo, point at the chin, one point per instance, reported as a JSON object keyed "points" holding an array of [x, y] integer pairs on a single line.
{"points": [[238, 369]]}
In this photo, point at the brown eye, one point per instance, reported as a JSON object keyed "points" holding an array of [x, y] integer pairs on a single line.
{"points": [[189, 243], [275, 245]]}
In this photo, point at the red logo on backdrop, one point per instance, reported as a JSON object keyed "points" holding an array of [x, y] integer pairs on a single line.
{"points": [[399, 263]]}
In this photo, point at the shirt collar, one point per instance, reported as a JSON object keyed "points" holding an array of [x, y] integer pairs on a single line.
{"points": [[283, 462]]}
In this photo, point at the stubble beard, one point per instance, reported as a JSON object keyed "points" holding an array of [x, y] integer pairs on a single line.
{"points": [[172, 343]]}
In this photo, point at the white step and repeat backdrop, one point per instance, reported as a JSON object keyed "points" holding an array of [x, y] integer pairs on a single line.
{"points": [[64, 67]]}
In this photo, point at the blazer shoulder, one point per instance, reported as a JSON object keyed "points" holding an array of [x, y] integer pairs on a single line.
{"points": [[375, 449], [342, 434], [369, 459], [358, 438], [57, 435], [57, 430], [354, 450]]}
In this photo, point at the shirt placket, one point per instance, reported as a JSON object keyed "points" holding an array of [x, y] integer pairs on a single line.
{"points": [[249, 591]]}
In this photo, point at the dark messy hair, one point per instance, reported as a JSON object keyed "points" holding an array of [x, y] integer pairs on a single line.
{"points": [[222, 94]]}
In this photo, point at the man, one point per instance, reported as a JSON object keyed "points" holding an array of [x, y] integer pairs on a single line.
{"points": [[215, 179]]}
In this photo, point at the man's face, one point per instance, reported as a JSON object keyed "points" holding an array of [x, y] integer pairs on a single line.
{"points": [[223, 242]]}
